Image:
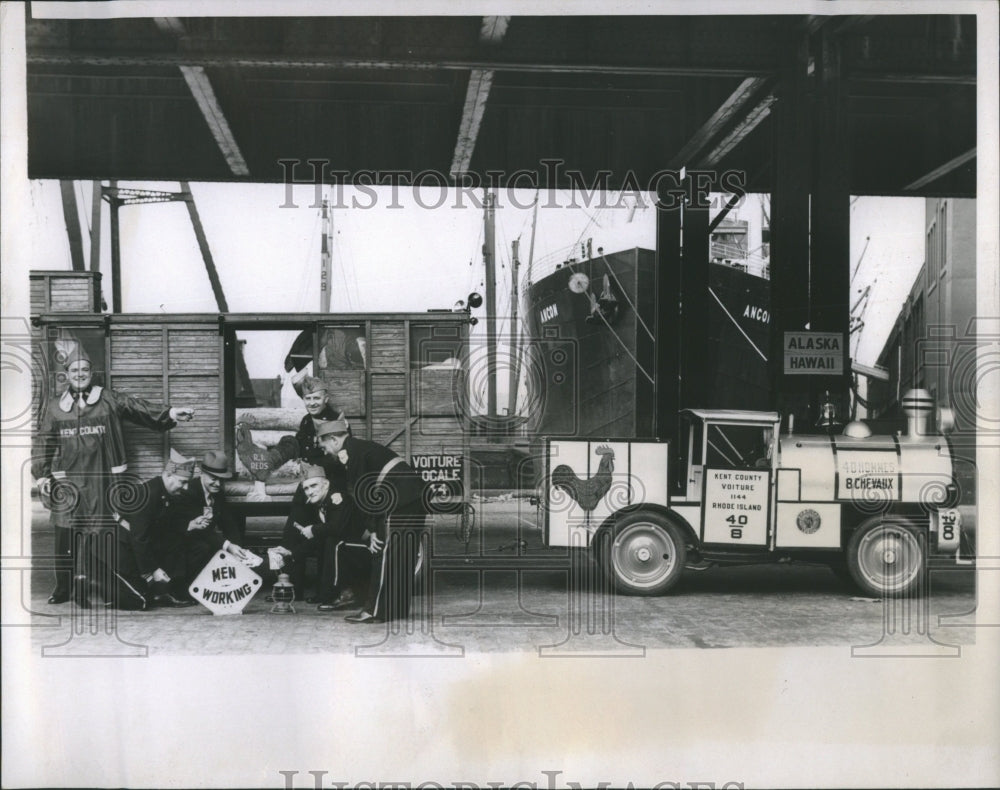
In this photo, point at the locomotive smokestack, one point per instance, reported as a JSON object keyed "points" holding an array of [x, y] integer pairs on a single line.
{"points": [[917, 406]]}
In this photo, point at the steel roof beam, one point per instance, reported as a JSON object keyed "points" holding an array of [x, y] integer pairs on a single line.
{"points": [[204, 95], [477, 93], [728, 110], [753, 118], [206, 60], [943, 170]]}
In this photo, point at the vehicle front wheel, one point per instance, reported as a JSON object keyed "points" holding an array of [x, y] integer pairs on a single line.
{"points": [[646, 554], [887, 558]]}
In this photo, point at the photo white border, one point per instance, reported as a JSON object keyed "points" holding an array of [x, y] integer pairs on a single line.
{"points": [[764, 717]]}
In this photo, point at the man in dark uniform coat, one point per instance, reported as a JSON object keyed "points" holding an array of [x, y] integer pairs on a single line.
{"points": [[321, 527], [157, 525], [315, 395], [203, 508], [390, 499], [81, 478]]}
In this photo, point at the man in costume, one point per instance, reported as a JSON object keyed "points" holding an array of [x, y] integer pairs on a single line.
{"points": [[81, 476]]}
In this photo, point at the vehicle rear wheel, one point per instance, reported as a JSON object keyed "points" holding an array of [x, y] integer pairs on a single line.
{"points": [[646, 554], [886, 558]]}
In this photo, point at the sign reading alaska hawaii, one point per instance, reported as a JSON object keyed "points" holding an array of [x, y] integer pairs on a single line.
{"points": [[814, 352]]}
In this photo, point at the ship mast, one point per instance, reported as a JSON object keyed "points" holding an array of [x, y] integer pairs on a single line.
{"points": [[491, 305], [514, 345], [326, 260]]}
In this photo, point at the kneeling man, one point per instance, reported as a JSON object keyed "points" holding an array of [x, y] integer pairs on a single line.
{"points": [[322, 526]]}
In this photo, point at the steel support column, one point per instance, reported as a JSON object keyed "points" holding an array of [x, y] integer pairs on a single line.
{"points": [[790, 227], [668, 323], [694, 369], [830, 288], [116, 254]]}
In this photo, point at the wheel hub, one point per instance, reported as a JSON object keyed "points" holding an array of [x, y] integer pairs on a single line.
{"points": [[642, 555], [889, 558]]}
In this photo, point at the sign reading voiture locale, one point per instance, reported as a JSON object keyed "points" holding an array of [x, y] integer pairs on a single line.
{"points": [[814, 353]]}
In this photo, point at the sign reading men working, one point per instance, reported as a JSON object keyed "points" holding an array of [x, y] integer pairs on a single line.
{"points": [[225, 585], [814, 353], [736, 506], [868, 475]]}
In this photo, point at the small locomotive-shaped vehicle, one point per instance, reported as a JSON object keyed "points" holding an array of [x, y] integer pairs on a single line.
{"points": [[874, 506]]}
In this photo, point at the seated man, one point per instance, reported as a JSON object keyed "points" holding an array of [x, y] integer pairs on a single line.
{"points": [[320, 526], [157, 535], [202, 508]]}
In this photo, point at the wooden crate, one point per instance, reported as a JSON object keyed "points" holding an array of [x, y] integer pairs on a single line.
{"points": [[64, 292]]}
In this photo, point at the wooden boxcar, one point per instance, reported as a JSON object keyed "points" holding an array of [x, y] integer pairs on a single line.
{"points": [[400, 379]]}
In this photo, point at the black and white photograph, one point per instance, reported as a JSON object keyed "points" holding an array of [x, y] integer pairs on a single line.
{"points": [[491, 395]]}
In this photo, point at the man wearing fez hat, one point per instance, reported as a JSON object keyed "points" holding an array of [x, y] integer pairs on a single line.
{"points": [[208, 524], [302, 445], [317, 527], [316, 396], [163, 557], [80, 468], [390, 501]]}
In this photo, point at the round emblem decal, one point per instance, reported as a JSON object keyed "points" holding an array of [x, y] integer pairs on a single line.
{"points": [[808, 521]]}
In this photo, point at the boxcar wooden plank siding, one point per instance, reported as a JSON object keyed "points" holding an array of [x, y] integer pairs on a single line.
{"points": [[145, 453], [136, 350], [432, 392], [194, 350], [388, 345], [347, 390], [149, 386], [38, 296], [434, 429], [388, 393]]}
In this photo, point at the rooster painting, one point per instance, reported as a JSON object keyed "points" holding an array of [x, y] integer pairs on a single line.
{"points": [[586, 493]]}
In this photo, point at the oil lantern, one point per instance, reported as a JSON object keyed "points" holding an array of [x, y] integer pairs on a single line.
{"points": [[283, 594]]}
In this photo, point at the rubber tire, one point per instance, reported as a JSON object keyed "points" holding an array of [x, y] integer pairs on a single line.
{"points": [[908, 546], [638, 538]]}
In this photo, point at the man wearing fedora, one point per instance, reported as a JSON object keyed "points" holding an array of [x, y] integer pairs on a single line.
{"points": [[204, 514], [81, 471], [390, 500]]}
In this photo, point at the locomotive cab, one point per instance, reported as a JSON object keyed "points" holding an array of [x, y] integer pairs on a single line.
{"points": [[722, 439]]}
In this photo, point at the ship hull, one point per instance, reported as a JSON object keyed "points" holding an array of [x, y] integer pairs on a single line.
{"points": [[594, 377]]}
